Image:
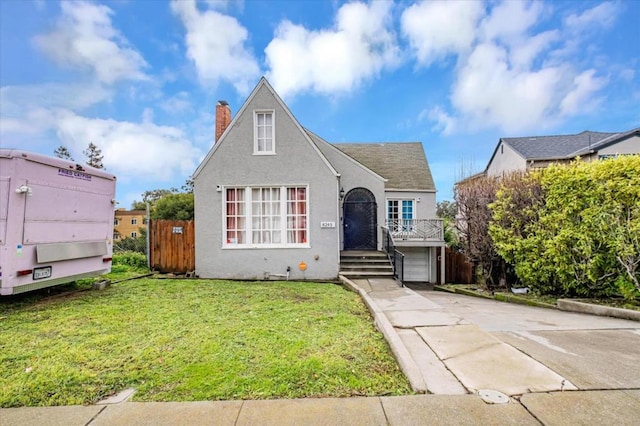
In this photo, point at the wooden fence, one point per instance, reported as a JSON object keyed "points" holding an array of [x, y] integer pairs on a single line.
{"points": [[458, 270], [172, 246]]}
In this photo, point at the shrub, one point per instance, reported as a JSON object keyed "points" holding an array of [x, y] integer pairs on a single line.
{"points": [[473, 197], [573, 230], [127, 244], [130, 258]]}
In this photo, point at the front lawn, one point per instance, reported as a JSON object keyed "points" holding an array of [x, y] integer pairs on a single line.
{"points": [[184, 340]]}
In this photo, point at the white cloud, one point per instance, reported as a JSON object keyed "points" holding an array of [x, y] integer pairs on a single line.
{"points": [[491, 93], [437, 29], [143, 151], [224, 4], [510, 74], [361, 44], [524, 51], [177, 103], [32, 122], [14, 99], [580, 96], [602, 15], [444, 123], [216, 44], [510, 19], [28, 109], [85, 38]]}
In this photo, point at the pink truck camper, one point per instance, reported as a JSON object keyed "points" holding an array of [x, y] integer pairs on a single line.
{"points": [[56, 221]]}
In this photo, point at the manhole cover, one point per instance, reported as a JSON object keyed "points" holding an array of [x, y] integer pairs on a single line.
{"points": [[493, 397]]}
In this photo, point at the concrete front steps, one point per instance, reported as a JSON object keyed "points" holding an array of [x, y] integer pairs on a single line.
{"points": [[359, 264]]}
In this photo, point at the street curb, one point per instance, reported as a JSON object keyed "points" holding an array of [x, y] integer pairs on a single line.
{"points": [[567, 305], [500, 297], [505, 297], [400, 352], [588, 308]]}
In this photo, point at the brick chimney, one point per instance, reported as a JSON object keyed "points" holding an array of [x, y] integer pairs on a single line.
{"points": [[223, 118]]}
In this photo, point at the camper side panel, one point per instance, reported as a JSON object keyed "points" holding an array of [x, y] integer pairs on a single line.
{"points": [[56, 222]]}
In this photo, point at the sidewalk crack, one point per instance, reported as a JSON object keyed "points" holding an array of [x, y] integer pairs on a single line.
{"points": [[97, 414]]}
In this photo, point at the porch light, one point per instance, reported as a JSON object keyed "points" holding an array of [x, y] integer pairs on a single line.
{"points": [[341, 193]]}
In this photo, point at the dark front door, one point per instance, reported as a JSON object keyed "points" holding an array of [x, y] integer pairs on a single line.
{"points": [[360, 220]]}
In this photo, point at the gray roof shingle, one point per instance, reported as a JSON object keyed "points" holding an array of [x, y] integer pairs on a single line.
{"points": [[559, 146], [403, 164]]}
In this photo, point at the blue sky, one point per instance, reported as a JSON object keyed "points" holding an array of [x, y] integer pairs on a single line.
{"points": [[140, 79]]}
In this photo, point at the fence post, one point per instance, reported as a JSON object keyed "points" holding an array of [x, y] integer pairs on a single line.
{"points": [[148, 242]]}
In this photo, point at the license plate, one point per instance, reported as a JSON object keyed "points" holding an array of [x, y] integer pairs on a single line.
{"points": [[41, 273]]}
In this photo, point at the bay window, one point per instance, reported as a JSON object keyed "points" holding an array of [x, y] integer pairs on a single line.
{"points": [[266, 217]]}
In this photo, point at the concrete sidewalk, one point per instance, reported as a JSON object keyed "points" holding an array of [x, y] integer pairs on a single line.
{"points": [[557, 408], [473, 378]]}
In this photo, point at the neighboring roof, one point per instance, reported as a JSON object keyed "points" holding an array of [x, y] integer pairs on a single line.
{"points": [[403, 164], [617, 137], [562, 146], [123, 212]]}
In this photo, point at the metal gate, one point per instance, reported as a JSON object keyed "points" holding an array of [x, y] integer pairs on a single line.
{"points": [[360, 220]]}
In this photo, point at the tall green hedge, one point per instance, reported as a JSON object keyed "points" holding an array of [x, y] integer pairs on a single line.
{"points": [[573, 229]]}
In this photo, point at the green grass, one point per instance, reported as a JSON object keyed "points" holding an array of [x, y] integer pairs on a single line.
{"points": [[184, 340]]}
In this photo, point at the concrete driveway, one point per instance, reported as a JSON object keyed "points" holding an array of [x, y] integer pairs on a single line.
{"points": [[590, 351]]}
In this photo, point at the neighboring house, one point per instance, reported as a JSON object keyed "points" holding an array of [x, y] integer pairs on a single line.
{"points": [[524, 153], [273, 199], [127, 223]]}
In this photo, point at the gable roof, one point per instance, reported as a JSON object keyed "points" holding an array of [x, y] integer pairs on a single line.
{"points": [[562, 146], [262, 83], [403, 164]]}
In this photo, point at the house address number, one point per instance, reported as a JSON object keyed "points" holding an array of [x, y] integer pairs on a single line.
{"points": [[327, 224]]}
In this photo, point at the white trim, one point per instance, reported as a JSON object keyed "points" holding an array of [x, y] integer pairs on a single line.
{"points": [[414, 206], [273, 131], [265, 246], [427, 191]]}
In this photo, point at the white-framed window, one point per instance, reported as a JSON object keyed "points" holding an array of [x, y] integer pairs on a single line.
{"points": [[264, 140], [235, 216], [116, 222], [400, 214], [266, 217], [134, 235], [134, 221]]}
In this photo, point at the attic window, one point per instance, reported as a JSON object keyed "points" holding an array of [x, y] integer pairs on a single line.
{"points": [[501, 149], [264, 133]]}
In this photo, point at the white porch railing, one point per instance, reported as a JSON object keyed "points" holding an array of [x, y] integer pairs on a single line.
{"points": [[416, 229]]}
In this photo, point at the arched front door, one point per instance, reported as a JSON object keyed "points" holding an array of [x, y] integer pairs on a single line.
{"points": [[360, 220]]}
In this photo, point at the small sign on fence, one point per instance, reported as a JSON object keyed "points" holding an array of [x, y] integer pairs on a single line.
{"points": [[177, 229]]}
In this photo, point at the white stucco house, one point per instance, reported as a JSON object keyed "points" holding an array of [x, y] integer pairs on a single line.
{"points": [[274, 200], [523, 153]]}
